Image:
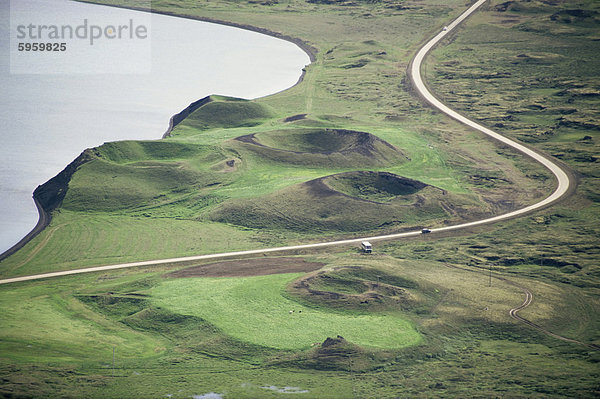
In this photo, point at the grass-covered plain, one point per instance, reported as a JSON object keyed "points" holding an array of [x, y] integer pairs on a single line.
{"points": [[527, 68], [58, 339]]}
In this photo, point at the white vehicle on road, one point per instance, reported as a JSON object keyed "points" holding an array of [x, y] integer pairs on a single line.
{"points": [[366, 247]]}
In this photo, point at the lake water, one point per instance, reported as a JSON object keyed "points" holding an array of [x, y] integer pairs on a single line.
{"points": [[55, 107]]}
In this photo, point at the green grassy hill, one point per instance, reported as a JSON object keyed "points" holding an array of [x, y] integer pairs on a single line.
{"points": [[226, 112], [331, 148], [347, 202], [268, 183]]}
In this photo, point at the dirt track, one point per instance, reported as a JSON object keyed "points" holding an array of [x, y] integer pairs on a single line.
{"points": [[249, 267], [528, 301]]}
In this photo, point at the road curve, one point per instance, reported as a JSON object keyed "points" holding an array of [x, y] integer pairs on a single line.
{"points": [[528, 299], [415, 72]]}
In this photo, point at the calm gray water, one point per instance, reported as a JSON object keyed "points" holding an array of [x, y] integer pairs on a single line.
{"points": [[55, 107]]}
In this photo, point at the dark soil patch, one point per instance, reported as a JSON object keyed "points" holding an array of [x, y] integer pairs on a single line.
{"points": [[248, 267], [295, 118]]}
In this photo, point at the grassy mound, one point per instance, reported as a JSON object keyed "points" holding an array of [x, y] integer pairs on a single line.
{"points": [[226, 112], [192, 334], [362, 288], [316, 206], [134, 151], [334, 354], [323, 147], [130, 175], [253, 310], [317, 140]]}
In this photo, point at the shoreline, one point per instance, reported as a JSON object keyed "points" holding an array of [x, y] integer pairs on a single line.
{"points": [[307, 48], [45, 212], [184, 113], [44, 219], [47, 197]]}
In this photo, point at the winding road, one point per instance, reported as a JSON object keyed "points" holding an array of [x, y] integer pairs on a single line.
{"points": [[563, 182]]}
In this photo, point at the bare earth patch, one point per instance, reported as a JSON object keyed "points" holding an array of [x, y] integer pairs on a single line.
{"points": [[248, 267]]}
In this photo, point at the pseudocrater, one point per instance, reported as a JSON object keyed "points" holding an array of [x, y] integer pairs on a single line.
{"points": [[345, 202], [377, 186], [322, 147]]}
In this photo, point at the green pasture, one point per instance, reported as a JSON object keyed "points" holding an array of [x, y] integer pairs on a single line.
{"points": [[255, 310], [44, 323], [72, 242], [192, 336]]}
